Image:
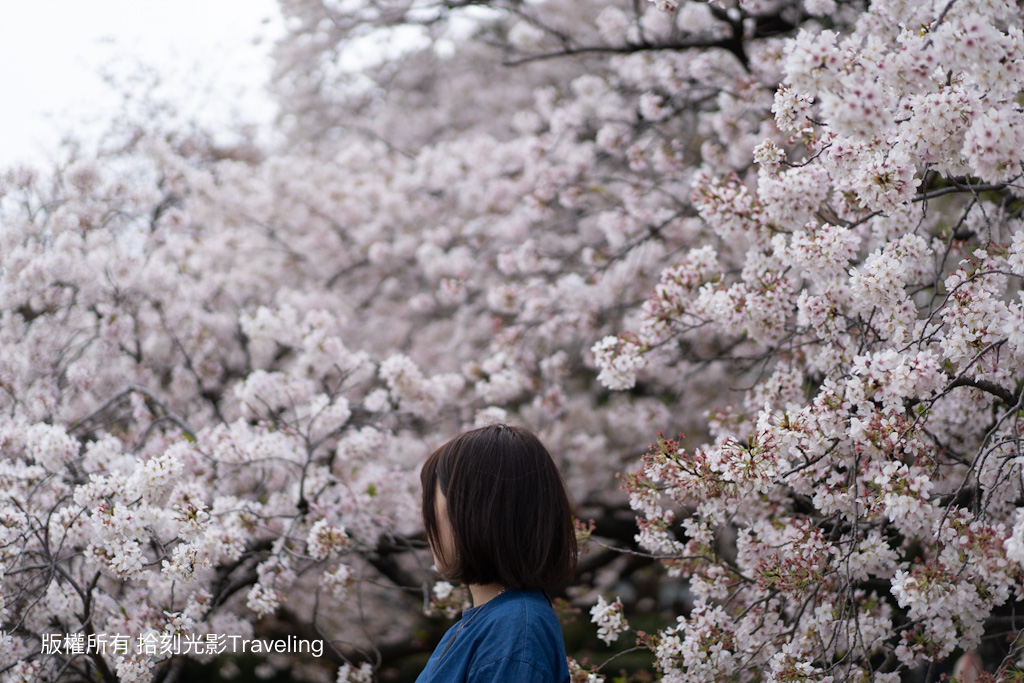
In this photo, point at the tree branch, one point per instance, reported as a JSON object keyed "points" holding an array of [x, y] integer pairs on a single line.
{"points": [[1004, 395]]}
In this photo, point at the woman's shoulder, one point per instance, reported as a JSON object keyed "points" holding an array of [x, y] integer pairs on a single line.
{"points": [[519, 624], [520, 630]]}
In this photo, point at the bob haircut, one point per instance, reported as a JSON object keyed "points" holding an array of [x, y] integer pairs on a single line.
{"points": [[510, 515]]}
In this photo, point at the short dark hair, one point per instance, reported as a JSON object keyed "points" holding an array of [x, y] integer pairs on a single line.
{"points": [[511, 518]]}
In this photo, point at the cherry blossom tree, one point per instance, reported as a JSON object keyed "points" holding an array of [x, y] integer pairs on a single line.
{"points": [[853, 514], [788, 229]]}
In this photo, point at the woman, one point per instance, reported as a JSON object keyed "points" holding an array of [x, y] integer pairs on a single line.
{"points": [[498, 520]]}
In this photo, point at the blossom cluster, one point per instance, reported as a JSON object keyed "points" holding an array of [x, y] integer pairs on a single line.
{"points": [[609, 619], [856, 503]]}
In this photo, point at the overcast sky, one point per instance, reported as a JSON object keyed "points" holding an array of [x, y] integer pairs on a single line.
{"points": [[52, 53]]}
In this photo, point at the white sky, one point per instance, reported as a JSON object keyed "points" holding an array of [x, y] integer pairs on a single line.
{"points": [[52, 53]]}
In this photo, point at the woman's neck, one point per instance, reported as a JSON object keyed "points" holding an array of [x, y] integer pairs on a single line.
{"points": [[485, 592]]}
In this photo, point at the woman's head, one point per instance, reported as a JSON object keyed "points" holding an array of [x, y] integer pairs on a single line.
{"points": [[496, 511]]}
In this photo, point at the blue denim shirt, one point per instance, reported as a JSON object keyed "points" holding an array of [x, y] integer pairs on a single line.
{"points": [[513, 638]]}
